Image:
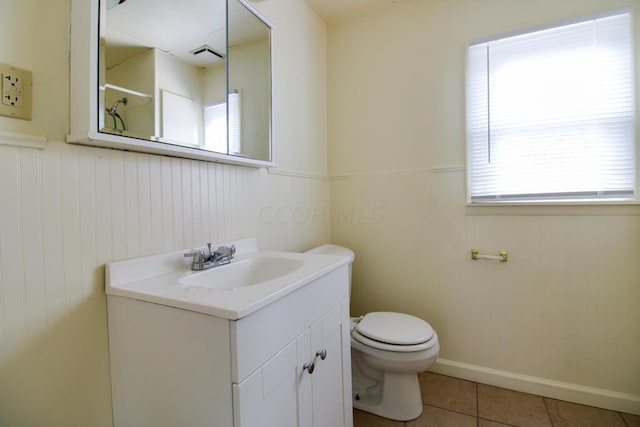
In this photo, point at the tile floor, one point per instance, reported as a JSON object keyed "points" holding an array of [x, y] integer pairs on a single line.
{"points": [[454, 402]]}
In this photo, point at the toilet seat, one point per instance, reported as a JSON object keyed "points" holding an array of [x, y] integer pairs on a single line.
{"points": [[394, 332]]}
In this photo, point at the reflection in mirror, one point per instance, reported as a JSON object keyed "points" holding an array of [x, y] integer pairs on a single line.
{"points": [[163, 74], [163, 71], [249, 76]]}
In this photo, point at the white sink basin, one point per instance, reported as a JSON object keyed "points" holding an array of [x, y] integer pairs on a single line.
{"points": [[246, 272], [252, 280]]}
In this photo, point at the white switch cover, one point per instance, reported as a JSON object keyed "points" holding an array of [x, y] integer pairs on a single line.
{"points": [[16, 92]]}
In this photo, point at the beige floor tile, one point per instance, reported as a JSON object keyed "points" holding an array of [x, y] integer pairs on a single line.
{"points": [[565, 414], [448, 393], [365, 419], [631, 420], [436, 417], [511, 407]]}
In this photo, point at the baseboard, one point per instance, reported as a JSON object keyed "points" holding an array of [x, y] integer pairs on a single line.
{"points": [[623, 402]]}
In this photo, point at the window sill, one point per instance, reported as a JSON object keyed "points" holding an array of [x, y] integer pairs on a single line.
{"points": [[600, 208]]}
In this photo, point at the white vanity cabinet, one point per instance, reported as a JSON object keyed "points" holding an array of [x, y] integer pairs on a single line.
{"points": [[176, 367], [302, 385]]}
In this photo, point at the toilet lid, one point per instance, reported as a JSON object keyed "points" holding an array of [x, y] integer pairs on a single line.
{"points": [[394, 328], [396, 348]]}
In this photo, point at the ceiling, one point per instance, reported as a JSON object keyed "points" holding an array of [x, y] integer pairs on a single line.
{"points": [[336, 10], [177, 27]]}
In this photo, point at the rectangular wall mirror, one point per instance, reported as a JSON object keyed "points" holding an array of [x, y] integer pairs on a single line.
{"points": [[190, 78]]}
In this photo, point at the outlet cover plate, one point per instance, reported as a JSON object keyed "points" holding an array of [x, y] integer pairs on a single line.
{"points": [[15, 88]]}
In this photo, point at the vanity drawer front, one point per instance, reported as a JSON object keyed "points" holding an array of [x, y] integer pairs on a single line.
{"points": [[268, 397], [259, 336]]}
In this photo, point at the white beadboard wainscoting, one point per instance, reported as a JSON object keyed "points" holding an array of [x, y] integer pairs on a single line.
{"points": [[67, 210]]}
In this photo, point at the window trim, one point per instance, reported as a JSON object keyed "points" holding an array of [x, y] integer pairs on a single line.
{"points": [[601, 198]]}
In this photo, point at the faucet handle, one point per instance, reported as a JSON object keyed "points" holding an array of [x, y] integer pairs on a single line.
{"points": [[223, 255], [232, 250], [198, 256], [227, 251]]}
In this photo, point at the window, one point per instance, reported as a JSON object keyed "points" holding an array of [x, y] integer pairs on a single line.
{"points": [[215, 125], [550, 114], [234, 122]]}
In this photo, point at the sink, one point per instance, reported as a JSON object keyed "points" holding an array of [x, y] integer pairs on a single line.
{"points": [[253, 279], [246, 272]]}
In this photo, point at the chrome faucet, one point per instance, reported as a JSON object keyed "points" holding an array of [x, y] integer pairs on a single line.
{"points": [[221, 256]]}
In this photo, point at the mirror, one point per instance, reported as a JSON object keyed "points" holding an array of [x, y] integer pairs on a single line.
{"points": [[188, 73], [249, 76]]}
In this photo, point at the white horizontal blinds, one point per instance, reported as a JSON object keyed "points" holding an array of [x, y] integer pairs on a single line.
{"points": [[234, 123], [479, 174], [215, 127], [551, 114]]}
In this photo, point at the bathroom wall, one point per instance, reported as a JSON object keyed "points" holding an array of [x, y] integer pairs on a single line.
{"points": [[561, 317], [66, 210]]}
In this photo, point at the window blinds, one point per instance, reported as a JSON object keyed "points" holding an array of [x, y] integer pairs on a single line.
{"points": [[234, 123], [550, 114]]}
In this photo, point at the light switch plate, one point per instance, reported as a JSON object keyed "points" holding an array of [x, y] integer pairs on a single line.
{"points": [[16, 92]]}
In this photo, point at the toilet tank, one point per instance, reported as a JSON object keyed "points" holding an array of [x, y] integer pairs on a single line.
{"points": [[336, 250]]}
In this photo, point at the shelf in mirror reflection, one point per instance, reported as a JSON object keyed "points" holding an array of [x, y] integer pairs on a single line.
{"points": [[126, 91]]}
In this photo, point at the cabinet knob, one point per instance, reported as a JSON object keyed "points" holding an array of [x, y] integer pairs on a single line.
{"points": [[322, 353], [310, 367]]}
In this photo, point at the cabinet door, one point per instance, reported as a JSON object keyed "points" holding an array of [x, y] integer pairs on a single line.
{"points": [[269, 396], [305, 396], [283, 393], [331, 389]]}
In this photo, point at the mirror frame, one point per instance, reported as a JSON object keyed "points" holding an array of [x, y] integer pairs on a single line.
{"points": [[84, 89]]}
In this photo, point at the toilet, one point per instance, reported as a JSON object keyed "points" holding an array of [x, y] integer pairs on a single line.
{"points": [[388, 350]]}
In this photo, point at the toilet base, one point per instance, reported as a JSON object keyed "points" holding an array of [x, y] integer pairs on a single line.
{"points": [[396, 397]]}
